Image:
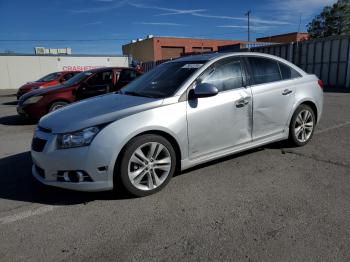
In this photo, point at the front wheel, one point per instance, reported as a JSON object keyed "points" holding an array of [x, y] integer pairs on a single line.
{"points": [[147, 165], [302, 126], [57, 105]]}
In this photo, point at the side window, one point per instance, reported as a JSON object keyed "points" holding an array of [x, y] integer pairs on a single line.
{"points": [[100, 78], [264, 70], [225, 75], [127, 75], [288, 72], [67, 76]]}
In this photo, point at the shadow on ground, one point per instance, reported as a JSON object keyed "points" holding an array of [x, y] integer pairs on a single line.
{"points": [[17, 183], [16, 120], [336, 90], [12, 103]]}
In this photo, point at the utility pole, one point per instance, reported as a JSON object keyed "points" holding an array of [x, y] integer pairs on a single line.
{"points": [[248, 15]]}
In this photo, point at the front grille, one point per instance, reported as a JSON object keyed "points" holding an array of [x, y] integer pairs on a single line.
{"points": [[40, 171], [43, 129], [38, 144]]}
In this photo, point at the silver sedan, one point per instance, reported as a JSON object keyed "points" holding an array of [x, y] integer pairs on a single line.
{"points": [[180, 114]]}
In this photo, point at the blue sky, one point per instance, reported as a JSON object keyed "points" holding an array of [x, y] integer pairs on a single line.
{"points": [[102, 26]]}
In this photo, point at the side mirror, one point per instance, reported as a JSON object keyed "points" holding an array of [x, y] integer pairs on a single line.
{"points": [[204, 90]]}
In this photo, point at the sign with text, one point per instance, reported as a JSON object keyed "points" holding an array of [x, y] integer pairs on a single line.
{"points": [[83, 64]]}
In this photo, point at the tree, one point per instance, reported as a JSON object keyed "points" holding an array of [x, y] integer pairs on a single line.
{"points": [[333, 20]]}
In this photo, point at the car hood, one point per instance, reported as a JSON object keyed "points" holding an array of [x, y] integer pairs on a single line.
{"points": [[31, 85], [39, 92], [96, 111]]}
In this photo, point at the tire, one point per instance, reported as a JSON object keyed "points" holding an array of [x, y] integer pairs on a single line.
{"points": [[139, 173], [302, 126], [57, 105]]}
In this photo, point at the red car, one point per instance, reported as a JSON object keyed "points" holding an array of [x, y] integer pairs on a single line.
{"points": [[52, 79], [86, 84]]}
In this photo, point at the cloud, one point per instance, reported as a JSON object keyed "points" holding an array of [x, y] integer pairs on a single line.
{"points": [[92, 23], [159, 23], [291, 10], [253, 20], [171, 11], [201, 13], [99, 9]]}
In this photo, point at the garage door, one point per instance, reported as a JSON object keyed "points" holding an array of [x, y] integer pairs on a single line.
{"points": [[172, 52], [202, 49]]}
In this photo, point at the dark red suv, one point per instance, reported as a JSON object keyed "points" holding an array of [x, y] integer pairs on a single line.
{"points": [[86, 84], [52, 79]]}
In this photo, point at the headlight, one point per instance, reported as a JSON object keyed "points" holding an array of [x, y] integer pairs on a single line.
{"points": [[77, 139], [38, 87], [32, 100]]}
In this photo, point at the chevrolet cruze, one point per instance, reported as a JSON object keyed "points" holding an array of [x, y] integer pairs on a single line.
{"points": [[180, 114]]}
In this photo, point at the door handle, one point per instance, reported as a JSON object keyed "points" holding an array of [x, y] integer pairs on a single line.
{"points": [[286, 92], [242, 103]]}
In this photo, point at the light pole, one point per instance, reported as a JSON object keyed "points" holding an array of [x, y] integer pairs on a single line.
{"points": [[248, 15]]}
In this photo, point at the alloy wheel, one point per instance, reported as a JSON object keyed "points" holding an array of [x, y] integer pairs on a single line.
{"points": [[304, 125], [149, 166]]}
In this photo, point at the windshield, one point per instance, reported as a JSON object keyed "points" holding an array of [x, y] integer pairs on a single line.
{"points": [[49, 77], [78, 78], [164, 80]]}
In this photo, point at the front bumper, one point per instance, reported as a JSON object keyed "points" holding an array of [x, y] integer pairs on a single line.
{"points": [[34, 111], [52, 161]]}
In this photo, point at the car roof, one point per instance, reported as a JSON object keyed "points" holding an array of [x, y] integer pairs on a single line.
{"points": [[201, 57], [211, 56], [109, 68]]}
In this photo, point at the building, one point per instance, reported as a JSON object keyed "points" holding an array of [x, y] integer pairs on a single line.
{"points": [[285, 38], [18, 69], [160, 48]]}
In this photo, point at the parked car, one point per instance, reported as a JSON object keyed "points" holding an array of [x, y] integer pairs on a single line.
{"points": [[83, 85], [182, 113], [52, 79]]}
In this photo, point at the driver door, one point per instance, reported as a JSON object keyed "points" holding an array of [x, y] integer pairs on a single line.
{"points": [[223, 121], [98, 84]]}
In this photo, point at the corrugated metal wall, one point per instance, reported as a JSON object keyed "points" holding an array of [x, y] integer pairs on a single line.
{"points": [[327, 58]]}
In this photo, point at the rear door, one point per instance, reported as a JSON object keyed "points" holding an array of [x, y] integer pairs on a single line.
{"points": [[273, 92]]}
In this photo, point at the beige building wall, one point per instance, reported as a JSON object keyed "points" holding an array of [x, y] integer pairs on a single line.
{"points": [[143, 51], [16, 70]]}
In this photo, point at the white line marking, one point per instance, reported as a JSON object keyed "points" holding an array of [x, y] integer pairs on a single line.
{"points": [[332, 127], [25, 214]]}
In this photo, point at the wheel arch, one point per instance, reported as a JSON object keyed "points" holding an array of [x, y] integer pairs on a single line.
{"points": [[55, 101], [313, 107], [173, 141], [308, 102]]}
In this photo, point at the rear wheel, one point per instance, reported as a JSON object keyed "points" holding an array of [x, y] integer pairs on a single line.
{"points": [[147, 165], [302, 126], [57, 105]]}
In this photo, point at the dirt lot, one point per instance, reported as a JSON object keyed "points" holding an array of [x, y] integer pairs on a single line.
{"points": [[268, 204]]}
